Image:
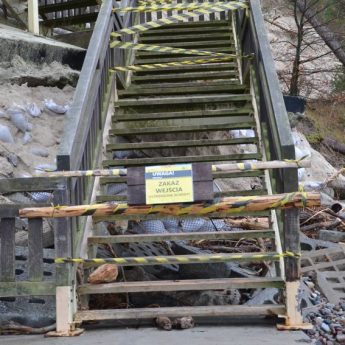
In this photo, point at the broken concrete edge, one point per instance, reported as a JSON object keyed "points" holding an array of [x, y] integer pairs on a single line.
{"points": [[38, 49]]}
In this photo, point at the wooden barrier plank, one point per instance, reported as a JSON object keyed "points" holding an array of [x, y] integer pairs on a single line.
{"points": [[35, 242], [181, 285], [7, 251]]}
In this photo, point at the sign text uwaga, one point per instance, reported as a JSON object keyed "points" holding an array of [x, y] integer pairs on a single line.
{"points": [[169, 184]]}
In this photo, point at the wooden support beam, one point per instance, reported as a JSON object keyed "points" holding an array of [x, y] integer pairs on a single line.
{"points": [[33, 21]]}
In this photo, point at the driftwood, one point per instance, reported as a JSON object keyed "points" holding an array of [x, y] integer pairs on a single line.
{"points": [[249, 224], [223, 206], [322, 225], [15, 328]]}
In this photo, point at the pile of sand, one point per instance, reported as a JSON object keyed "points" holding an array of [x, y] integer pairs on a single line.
{"points": [[46, 130]]}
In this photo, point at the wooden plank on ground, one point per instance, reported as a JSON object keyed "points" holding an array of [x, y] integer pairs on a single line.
{"points": [[151, 313]]}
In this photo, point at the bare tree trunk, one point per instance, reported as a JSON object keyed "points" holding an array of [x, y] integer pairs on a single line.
{"points": [[327, 35]]}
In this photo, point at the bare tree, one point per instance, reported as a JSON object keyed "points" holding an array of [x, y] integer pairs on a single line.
{"points": [[307, 14]]}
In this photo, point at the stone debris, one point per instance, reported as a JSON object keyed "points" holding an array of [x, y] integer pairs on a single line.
{"points": [[327, 267], [27, 138], [19, 119], [329, 324], [106, 273], [55, 108], [163, 322], [183, 323], [5, 134], [39, 151], [33, 110]]}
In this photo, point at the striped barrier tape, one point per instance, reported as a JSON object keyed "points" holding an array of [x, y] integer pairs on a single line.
{"points": [[230, 5], [138, 68], [181, 259], [173, 19], [226, 206], [163, 49]]}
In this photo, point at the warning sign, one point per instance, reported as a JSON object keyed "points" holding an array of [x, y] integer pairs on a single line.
{"points": [[168, 184]]}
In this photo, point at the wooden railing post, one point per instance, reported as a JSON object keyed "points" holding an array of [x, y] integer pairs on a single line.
{"points": [[65, 283]]}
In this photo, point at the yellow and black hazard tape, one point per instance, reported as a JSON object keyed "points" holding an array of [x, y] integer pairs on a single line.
{"points": [[137, 68], [181, 259], [229, 5], [179, 17], [163, 49]]}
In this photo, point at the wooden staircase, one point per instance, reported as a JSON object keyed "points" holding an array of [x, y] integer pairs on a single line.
{"points": [[68, 12], [188, 114]]}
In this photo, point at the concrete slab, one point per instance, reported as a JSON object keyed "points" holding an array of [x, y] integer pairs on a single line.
{"points": [[37, 49], [201, 335]]}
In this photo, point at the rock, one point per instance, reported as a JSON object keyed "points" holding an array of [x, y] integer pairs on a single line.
{"points": [[5, 135], [310, 284], [33, 110], [183, 323], [6, 167], [55, 108], [332, 235], [45, 167], [19, 120], [340, 338], [26, 138], [39, 151], [13, 159], [325, 327], [106, 273], [163, 322]]}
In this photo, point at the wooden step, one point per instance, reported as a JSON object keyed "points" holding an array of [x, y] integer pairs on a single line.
{"points": [[179, 144], [118, 116], [67, 5], [169, 32], [183, 100], [189, 83], [202, 45], [151, 313], [185, 37], [158, 78], [157, 54], [216, 175], [72, 20], [198, 24], [226, 88], [180, 129], [183, 122], [123, 198], [182, 58], [180, 159], [181, 285]]}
